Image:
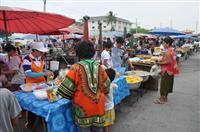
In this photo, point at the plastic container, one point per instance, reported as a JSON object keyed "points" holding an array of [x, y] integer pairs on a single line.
{"points": [[40, 94], [28, 87], [51, 94], [54, 65]]}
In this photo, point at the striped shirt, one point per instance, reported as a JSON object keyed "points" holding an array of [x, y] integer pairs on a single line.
{"points": [[27, 62]]}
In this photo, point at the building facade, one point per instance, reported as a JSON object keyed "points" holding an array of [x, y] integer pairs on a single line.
{"points": [[119, 25]]}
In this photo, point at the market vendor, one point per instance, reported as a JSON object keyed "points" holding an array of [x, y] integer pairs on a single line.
{"points": [[119, 55], [34, 66], [15, 71], [35, 72]]}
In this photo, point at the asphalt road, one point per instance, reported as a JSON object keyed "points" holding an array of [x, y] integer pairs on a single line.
{"points": [[180, 114]]}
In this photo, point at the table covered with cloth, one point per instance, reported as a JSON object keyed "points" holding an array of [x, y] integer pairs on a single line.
{"points": [[58, 115]]}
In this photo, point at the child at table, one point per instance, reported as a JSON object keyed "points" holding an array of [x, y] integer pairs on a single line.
{"points": [[109, 102]]}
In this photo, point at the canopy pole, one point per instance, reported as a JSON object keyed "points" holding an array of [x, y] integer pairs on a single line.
{"points": [[100, 36], [37, 39], [5, 26]]}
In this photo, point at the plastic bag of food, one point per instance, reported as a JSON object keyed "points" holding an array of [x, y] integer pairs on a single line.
{"points": [[155, 71]]}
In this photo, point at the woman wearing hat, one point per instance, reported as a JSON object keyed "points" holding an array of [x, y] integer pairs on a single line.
{"points": [[35, 72], [34, 66]]}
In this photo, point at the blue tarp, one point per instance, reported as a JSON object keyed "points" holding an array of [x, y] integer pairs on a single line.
{"points": [[165, 32], [183, 36], [33, 36]]}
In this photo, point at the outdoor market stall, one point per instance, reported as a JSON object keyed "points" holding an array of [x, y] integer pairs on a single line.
{"points": [[145, 63], [58, 114]]}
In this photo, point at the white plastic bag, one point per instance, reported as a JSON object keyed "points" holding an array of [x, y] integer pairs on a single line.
{"points": [[155, 71]]}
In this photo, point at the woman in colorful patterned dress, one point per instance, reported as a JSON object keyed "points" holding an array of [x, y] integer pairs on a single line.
{"points": [[86, 84]]}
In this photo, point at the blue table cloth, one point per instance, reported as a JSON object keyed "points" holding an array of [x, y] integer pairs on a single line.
{"points": [[122, 91], [58, 115]]}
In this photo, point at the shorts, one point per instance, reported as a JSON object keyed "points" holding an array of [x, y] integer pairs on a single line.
{"points": [[109, 117]]}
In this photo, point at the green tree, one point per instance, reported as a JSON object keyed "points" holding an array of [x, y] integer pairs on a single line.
{"points": [[2, 35], [111, 18], [139, 30]]}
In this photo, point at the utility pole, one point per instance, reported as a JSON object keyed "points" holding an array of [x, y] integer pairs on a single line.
{"points": [[100, 36], [197, 27], [44, 7], [160, 24], [170, 23], [136, 25]]}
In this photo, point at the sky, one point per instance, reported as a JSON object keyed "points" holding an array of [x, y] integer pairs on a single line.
{"points": [[178, 14]]}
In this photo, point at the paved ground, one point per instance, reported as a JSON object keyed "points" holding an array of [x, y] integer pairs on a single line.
{"points": [[180, 114]]}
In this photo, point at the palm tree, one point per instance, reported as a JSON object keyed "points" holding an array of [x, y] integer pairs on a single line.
{"points": [[111, 18]]}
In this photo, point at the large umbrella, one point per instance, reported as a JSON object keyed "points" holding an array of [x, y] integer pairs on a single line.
{"points": [[19, 20], [68, 30], [183, 36], [32, 36], [70, 36], [72, 30], [165, 32]]}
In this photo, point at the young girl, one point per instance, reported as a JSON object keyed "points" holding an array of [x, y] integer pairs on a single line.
{"points": [[109, 103]]}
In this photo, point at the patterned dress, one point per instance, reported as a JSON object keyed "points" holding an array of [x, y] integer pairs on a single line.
{"points": [[86, 83]]}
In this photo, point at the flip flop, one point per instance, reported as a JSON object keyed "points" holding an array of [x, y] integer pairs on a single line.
{"points": [[158, 101]]}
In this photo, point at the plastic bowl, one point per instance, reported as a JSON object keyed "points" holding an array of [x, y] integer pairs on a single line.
{"points": [[134, 85], [145, 75]]}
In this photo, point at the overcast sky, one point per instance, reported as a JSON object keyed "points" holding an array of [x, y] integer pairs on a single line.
{"points": [[181, 15]]}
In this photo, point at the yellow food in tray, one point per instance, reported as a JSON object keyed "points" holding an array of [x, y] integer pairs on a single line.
{"points": [[28, 87], [157, 49], [133, 79]]}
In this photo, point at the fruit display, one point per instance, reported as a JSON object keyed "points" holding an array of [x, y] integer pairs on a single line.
{"points": [[156, 58], [151, 60], [144, 56]]}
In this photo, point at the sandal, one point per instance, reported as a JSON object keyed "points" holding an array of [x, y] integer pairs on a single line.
{"points": [[158, 101]]}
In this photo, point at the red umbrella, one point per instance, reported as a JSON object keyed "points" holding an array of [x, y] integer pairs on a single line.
{"points": [[85, 30], [19, 20], [68, 30], [70, 36], [71, 30]]}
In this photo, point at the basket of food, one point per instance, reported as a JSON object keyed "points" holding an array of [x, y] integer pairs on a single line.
{"points": [[28, 87], [134, 82], [145, 75]]}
